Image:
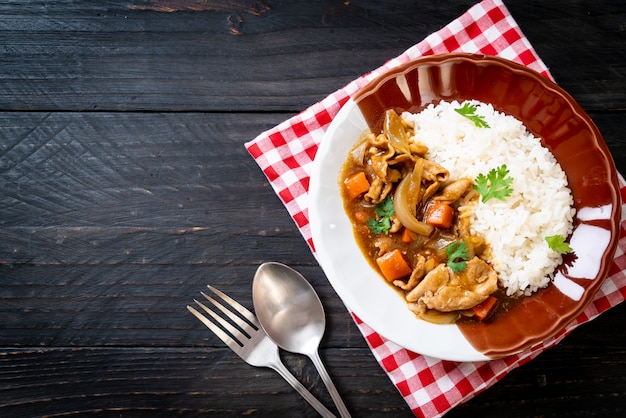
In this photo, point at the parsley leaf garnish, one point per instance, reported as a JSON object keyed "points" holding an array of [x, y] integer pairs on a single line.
{"points": [[382, 223], [558, 244], [379, 226], [457, 256], [495, 184], [468, 110]]}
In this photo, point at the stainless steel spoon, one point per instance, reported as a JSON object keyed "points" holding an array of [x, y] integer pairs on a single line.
{"points": [[292, 315]]}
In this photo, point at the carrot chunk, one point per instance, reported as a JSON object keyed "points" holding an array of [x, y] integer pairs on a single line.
{"points": [[393, 265], [356, 184], [407, 236], [440, 215], [483, 309]]}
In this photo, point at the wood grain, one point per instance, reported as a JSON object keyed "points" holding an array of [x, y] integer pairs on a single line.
{"points": [[109, 57], [243, 6], [125, 189]]}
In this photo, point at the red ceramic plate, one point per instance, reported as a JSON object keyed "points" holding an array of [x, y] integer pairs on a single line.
{"points": [[551, 114]]}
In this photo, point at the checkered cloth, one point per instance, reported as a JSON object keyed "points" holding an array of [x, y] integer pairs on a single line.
{"points": [[431, 387]]}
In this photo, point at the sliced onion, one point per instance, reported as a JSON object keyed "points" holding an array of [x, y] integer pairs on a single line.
{"points": [[395, 133], [405, 211], [358, 152], [415, 188], [441, 241], [439, 318]]}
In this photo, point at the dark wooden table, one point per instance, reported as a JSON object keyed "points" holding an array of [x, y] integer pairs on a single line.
{"points": [[125, 189]]}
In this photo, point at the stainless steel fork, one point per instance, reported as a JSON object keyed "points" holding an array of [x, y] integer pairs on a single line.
{"points": [[250, 342]]}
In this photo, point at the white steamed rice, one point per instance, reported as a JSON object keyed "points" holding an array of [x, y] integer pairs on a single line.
{"points": [[541, 203]]}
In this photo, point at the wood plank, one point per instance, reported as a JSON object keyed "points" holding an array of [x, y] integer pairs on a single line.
{"points": [[83, 56], [193, 382], [151, 170], [140, 305], [199, 381]]}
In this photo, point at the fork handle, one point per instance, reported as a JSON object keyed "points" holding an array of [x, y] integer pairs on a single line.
{"points": [[312, 400]]}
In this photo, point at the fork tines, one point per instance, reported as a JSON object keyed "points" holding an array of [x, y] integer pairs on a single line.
{"points": [[233, 337]]}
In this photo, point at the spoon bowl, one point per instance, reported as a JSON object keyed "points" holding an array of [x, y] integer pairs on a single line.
{"points": [[292, 315]]}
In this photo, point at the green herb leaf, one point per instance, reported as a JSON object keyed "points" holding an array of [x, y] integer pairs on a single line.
{"points": [[457, 256], [495, 184], [379, 226], [468, 110], [384, 210], [558, 244]]}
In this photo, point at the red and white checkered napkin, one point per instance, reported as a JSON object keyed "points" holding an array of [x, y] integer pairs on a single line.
{"points": [[431, 387]]}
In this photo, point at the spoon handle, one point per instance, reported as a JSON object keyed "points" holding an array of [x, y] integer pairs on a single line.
{"points": [[343, 411], [312, 400]]}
